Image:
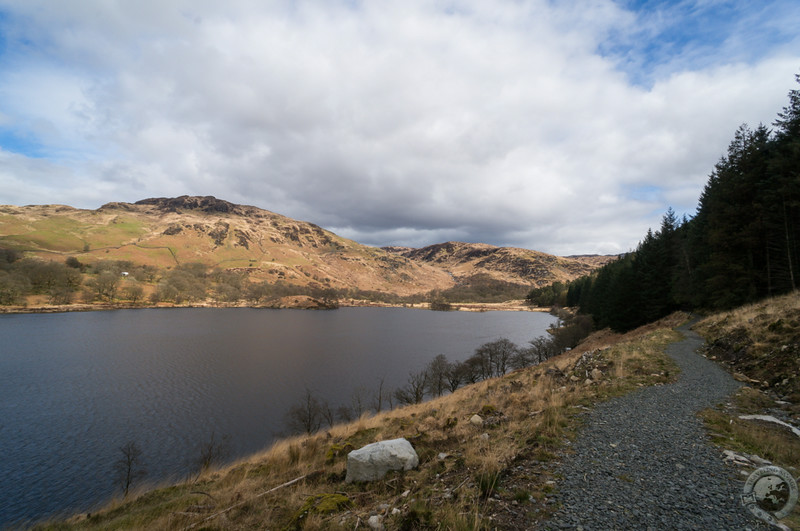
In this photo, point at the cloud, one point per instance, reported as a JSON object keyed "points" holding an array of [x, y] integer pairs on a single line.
{"points": [[534, 124]]}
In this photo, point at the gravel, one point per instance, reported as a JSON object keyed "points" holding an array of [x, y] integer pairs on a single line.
{"points": [[644, 461]]}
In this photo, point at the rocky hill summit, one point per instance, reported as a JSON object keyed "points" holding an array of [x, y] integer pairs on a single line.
{"points": [[168, 232]]}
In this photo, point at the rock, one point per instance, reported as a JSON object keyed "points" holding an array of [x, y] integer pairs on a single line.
{"points": [[588, 381], [484, 436], [375, 522], [574, 378], [476, 420], [374, 460], [596, 374], [770, 418]]}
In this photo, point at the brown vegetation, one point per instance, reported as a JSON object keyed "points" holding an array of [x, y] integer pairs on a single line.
{"points": [[759, 343], [264, 247], [470, 476]]}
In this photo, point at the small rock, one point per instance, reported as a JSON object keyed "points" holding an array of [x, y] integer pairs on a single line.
{"points": [[588, 381], [396, 511], [476, 420], [405, 494], [484, 436], [596, 374], [375, 522], [442, 456]]}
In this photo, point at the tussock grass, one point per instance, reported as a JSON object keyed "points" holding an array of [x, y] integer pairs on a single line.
{"points": [[470, 477]]}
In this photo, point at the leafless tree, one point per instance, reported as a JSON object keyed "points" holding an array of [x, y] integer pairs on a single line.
{"points": [[437, 372], [212, 452], [414, 390], [358, 401], [129, 467], [305, 415], [454, 376]]}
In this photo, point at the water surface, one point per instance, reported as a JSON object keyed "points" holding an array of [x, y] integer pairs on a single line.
{"points": [[74, 387]]}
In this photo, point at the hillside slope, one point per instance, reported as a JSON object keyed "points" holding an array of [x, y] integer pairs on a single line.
{"points": [[166, 232], [509, 264]]}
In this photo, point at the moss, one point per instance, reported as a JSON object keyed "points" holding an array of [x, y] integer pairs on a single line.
{"points": [[320, 504], [487, 410], [338, 450]]}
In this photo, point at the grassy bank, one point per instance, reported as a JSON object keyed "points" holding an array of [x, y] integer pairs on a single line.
{"points": [[498, 473], [760, 344]]}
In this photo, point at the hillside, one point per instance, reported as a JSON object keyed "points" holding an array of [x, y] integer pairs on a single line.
{"points": [[508, 264], [167, 232], [267, 247]]}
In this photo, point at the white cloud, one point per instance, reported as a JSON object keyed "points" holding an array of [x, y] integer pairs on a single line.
{"points": [[409, 122]]}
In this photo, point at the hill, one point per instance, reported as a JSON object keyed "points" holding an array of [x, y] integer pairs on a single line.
{"points": [[168, 233], [507, 264]]}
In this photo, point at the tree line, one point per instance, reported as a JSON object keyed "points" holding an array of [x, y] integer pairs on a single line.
{"points": [[743, 243], [441, 376]]}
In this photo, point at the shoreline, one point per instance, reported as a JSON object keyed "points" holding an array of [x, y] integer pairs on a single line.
{"points": [[299, 302]]}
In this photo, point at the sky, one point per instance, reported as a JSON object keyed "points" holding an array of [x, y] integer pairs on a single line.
{"points": [[568, 127]]}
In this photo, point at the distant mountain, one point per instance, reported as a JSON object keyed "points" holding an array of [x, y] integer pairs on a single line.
{"points": [[509, 264], [164, 232]]}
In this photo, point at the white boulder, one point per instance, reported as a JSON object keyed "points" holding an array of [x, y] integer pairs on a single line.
{"points": [[374, 460]]}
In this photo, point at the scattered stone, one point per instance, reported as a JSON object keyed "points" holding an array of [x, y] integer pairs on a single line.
{"points": [[596, 374], [476, 420], [375, 522], [396, 511], [588, 381], [484, 436], [442, 456], [374, 460], [405, 494]]}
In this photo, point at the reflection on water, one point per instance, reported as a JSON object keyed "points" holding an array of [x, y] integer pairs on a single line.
{"points": [[75, 387]]}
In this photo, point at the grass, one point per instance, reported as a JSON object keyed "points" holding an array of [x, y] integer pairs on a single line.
{"points": [[758, 342], [469, 477]]}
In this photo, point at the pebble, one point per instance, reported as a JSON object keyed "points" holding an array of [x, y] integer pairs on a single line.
{"points": [[644, 460]]}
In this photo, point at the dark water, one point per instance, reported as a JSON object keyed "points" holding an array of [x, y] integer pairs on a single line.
{"points": [[74, 387]]}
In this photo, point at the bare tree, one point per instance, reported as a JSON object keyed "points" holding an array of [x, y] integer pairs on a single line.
{"points": [[305, 415], [495, 356], [212, 452], [358, 401], [414, 391], [437, 372], [379, 396], [327, 413], [455, 375], [128, 467], [542, 348]]}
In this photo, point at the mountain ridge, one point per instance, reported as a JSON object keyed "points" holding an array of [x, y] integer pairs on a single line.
{"points": [[166, 232]]}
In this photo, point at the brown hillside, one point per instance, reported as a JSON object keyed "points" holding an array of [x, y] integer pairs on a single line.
{"points": [[165, 232], [169, 231], [509, 264]]}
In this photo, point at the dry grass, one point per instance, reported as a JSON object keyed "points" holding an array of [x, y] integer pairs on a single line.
{"points": [[470, 477], [759, 342]]}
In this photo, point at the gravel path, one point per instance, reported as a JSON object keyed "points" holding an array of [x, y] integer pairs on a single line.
{"points": [[644, 461]]}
